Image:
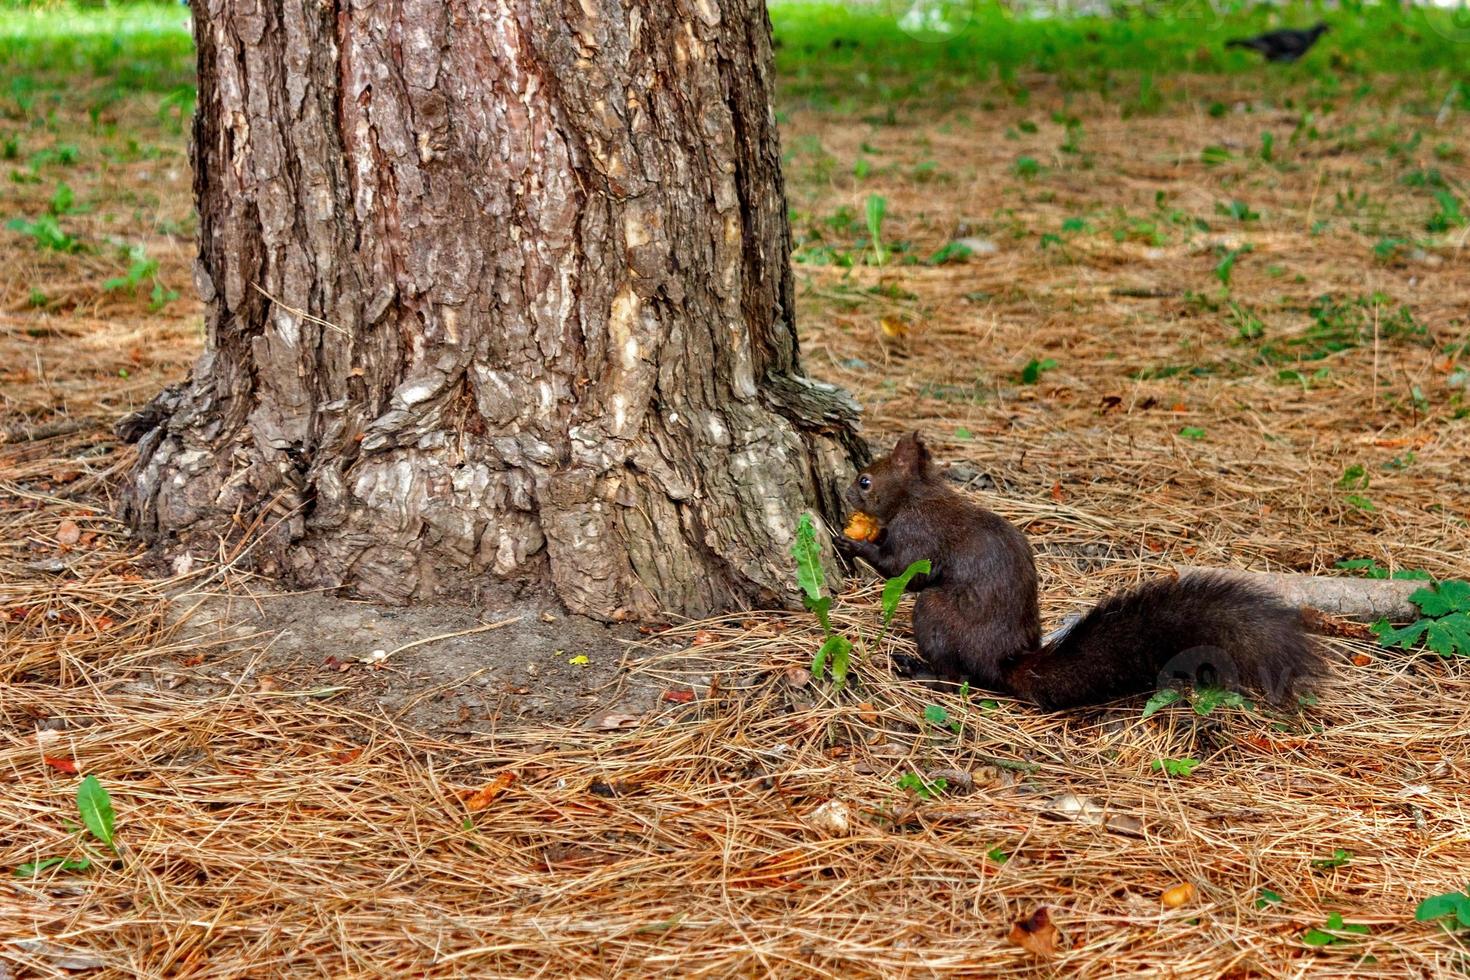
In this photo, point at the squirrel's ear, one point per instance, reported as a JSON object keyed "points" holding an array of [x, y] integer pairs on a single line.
{"points": [[911, 453]]}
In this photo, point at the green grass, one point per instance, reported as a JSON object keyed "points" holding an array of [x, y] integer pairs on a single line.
{"points": [[1125, 57], [146, 46], [134, 46]]}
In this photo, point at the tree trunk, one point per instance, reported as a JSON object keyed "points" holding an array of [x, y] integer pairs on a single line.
{"points": [[496, 289]]}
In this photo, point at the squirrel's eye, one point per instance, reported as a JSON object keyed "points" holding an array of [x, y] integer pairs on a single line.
{"points": [[864, 482]]}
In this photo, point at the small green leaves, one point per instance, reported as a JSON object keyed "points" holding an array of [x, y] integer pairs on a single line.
{"points": [[63, 201], [836, 650], [809, 573], [960, 432], [1356, 478], [1207, 699], [1268, 897], [820, 608], [1444, 625], [1340, 857], [35, 868], [997, 855], [1031, 373], [1161, 699], [1455, 904], [1026, 167], [1192, 432], [912, 782], [877, 207], [952, 252], [1334, 932], [935, 715], [95, 807], [1371, 569], [1239, 210], [1175, 767], [46, 233], [893, 589], [1212, 156], [1226, 266], [1450, 597]]}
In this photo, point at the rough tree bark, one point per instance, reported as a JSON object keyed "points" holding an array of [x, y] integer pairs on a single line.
{"points": [[496, 289]]}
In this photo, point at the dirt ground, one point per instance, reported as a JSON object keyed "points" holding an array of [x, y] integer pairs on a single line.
{"points": [[687, 801]]}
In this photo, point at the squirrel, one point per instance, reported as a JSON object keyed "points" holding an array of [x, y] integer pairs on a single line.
{"points": [[977, 617]]}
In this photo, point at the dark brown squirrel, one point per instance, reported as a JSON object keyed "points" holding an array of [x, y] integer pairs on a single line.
{"points": [[977, 617]]}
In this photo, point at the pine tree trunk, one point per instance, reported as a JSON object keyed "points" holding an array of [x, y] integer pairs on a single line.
{"points": [[496, 290]]}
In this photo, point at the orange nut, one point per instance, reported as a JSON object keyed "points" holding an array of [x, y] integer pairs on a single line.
{"points": [[861, 527]]}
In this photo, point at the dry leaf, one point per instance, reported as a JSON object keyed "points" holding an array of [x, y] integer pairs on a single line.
{"points": [[480, 799], [678, 695], [894, 326], [68, 534], [615, 720], [350, 755], [64, 765], [193, 661], [1362, 660], [1036, 934], [265, 682], [1056, 491], [798, 676], [867, 714], [703, 637], [1180, 894], [832, 817]]}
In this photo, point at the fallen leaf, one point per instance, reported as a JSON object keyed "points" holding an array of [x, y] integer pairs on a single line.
{"points": [[580, 660], [65, 765], [798, 676], [867, 714], [265, 683], [349, 755], [193, 661], [832, 817], [615, 720], [1180, 894], [703, 637], [1362, 660], [1036, 934], [679, 695], [1056, 491], [480, 799], [894, 326], [68, 534]]}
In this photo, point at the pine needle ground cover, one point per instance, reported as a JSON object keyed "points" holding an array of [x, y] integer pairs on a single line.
{"points": [[1159, 308]]}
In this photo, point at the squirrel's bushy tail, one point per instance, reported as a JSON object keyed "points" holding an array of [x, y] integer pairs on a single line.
{"points": [[1205, 628]]}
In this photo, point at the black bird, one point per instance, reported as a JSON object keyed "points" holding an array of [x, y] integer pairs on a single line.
{"points": [[1287, 44]]}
